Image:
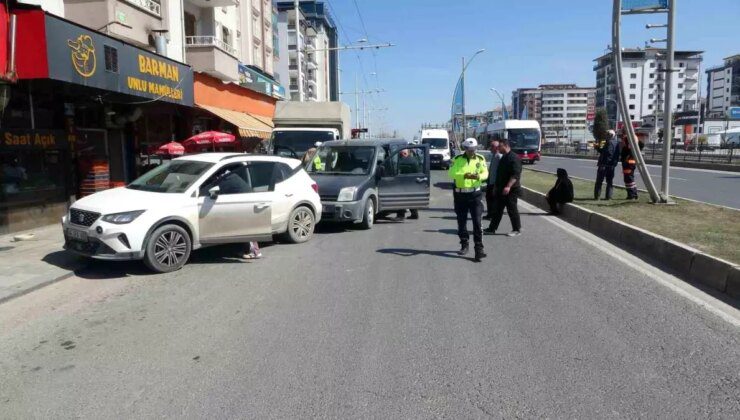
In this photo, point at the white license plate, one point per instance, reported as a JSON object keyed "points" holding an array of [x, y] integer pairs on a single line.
{"points": [[77, 235]]}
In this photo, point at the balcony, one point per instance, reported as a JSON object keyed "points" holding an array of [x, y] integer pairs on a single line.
{"points": [[207, 4], [133, 23], [208, 54], [149, 6]]}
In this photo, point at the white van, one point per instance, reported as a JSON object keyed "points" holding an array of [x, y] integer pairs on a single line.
{"points": [[439, 147]]}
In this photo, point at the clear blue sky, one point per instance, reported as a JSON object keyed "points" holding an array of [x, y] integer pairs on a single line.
{"points": [[527, 42]]}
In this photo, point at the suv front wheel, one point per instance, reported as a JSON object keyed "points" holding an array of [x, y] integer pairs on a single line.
{"points": [[301, 225], [168, 249]]}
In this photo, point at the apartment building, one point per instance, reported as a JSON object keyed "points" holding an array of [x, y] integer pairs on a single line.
{"points": [[723, 87], [566, 112], [311, 65], [644, 79], [529, 99]]}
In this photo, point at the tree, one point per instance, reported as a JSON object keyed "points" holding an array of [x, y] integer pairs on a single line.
{"points": [[601, 124]]}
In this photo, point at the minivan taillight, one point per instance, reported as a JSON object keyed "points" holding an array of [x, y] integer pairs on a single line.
{"points": [[315, 187]]}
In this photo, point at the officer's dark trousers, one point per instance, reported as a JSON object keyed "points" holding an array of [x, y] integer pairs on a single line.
{"points": [[605, 172], [508, 202], [469, 203]]}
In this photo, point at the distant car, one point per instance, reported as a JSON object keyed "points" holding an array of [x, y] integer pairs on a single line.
{"points": [[195, 201], [360, 178]]}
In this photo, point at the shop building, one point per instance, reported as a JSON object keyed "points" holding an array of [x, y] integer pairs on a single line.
{"points": [[83, 112]]}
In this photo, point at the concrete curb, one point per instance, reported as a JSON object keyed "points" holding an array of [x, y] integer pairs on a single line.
{"points": [[678, 163], [683, 261]]}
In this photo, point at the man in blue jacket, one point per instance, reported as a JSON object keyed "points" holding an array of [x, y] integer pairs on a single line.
{"points": [[609, 154]]}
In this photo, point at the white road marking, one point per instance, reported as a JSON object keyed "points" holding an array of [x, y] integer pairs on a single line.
{"points": [[680, 287]]}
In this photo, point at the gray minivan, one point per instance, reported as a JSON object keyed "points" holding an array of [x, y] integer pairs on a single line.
{"points": [[358, 179]]}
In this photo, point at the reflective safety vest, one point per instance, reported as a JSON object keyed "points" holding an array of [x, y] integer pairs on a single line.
{"points": [[462, 165], [317, 165]]}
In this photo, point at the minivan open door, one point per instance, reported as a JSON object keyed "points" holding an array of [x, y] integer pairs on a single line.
{"points": [[405, 179]]}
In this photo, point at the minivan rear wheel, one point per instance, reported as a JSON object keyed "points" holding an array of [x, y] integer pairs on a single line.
{"points": [[168, 249]]}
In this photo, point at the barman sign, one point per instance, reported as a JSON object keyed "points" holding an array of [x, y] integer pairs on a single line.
{"points": [[79, 55]]}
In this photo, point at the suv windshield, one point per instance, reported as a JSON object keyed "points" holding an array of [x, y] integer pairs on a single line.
{"points": [[435, 144], [293, 144], [175, 176], [524, 138], [342, 160]]}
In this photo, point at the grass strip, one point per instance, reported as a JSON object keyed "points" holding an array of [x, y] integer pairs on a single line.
{"points": [[712, 229]]}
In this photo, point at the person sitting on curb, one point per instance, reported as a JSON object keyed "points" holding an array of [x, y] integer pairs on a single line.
{"points": [[561, 193]]}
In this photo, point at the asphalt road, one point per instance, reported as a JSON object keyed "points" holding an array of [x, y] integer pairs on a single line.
{"points": [[715, 187], [388, 323]]}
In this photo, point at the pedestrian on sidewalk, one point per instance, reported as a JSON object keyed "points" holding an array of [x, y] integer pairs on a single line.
{"points": [[629, 165], [561, 193], [507, 190], [608, 160], [492, 168], [468, 171]]}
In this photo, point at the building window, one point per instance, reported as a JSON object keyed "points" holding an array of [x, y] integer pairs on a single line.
{"points": [[652, 65], [633, 96], [680, 85], [679, 106], [632, 106], [680, 96], [633, 76], [652, 86], [680, 75], [680, 65], [651, 96], [111, 59], [225, 35], [632, 117], [633, 65], [650, 107], [633, 86], [652, 75]]}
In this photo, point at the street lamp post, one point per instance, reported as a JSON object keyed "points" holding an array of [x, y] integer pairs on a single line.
{"points": [[462, 77], [503, 102]]}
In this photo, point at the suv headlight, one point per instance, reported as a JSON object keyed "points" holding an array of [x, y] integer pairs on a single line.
{"points": [[347, 194], [122, 218]]}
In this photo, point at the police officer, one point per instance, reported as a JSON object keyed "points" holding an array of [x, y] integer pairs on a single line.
{"points": [[468, 170], [609, 153]]}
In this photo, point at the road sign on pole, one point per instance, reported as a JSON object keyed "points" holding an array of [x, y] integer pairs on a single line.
{"points": [[734, 113]]}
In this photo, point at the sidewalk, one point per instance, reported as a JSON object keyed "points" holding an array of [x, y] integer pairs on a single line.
{"points": [[28, 265]]}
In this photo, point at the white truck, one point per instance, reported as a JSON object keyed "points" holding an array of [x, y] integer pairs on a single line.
{"points": [[300, 125], [439, 147]]}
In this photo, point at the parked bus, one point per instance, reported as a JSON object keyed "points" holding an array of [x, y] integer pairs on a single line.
{"points": [[524, 136]]}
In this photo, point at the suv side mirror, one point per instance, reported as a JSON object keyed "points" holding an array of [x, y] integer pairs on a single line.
{"points": [[214, 192]]}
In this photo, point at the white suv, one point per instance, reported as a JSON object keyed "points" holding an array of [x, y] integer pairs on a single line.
{"points": [[190, 202]]}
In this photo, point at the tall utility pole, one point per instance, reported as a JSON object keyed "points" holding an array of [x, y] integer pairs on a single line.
{"points": [[668, 113], [298, 47], [622, 101]]}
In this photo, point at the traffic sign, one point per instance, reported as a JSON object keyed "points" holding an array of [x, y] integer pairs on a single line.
{"points": [[734, 113]]}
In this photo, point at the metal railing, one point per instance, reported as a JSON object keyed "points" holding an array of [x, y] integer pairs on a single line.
{"points": [[729, 155], [209, 41], [150, 6]]}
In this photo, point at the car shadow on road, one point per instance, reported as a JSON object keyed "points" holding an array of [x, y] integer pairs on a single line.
{"points": [[443, 185], [444, 231], [405, 252]]}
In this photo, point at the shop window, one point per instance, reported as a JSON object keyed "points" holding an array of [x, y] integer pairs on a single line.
{"points": [[111, 59]]}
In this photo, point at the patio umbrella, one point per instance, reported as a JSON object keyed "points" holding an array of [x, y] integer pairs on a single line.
{"points": [[172, 148], [209, 138]]}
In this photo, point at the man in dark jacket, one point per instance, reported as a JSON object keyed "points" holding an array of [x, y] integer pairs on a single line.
{"points": [[608, 160], [506, 191], [561, 193]]}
